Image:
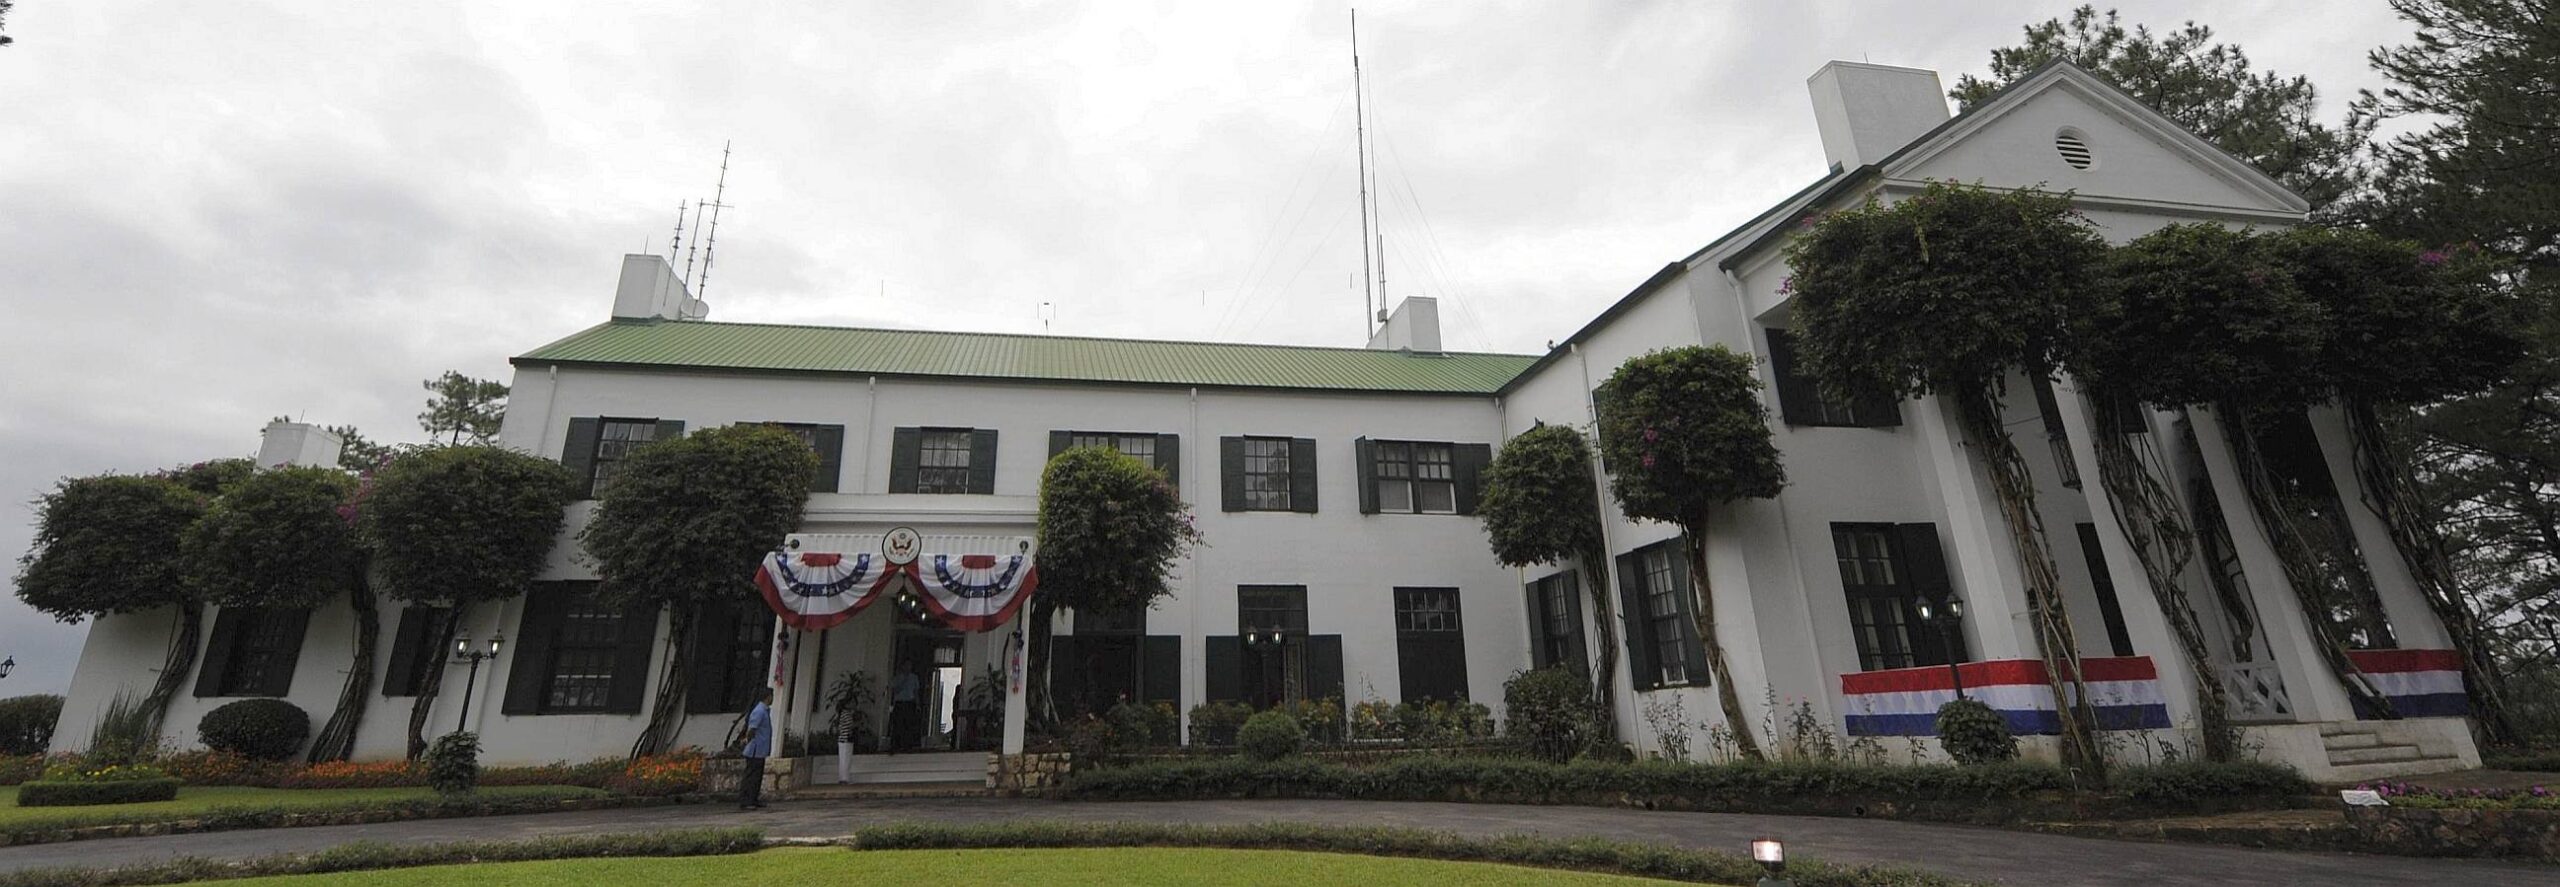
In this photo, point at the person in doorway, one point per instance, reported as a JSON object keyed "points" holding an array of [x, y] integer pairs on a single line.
{"points": [[759, 747], [906, 710]]}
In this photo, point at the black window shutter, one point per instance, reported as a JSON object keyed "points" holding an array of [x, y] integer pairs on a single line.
{"points": [[1231, 473], [530, 670], [982, 461], [1169, 458], [1058, 441], [1687, 593], [401, 679], [1795, 393], [1537, 610], [1924, 565], [1324, 666], [297, 625], [829, 439], [579, 453], [1160, 669], [216, 661], [715, 627], [1224, 680], [1638, 624], [1067, 673], [1302, 475], [634, 638], [906, 448], [1364, 459], [1469, 464]]}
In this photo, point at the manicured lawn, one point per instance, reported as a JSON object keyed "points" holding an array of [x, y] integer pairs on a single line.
{"points": [[1141, 866], [195, 800]]}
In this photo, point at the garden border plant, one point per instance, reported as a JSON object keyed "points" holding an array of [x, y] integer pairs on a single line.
{"points": [[109, 824], [369, 856]]}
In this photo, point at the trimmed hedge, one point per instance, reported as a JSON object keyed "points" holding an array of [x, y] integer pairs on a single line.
{"points": [[1774, 786], [369, 856], [105, 823], [1583, 854], [74, 794], [2191, 782]]}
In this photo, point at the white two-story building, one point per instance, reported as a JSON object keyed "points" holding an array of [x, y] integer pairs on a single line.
{"points": [[1334, 487]]}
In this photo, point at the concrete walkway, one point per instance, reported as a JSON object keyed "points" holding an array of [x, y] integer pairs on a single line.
{"points": [[1978, 853]]}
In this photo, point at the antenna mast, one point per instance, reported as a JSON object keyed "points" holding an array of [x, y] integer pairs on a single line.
{"points": [[675, 244], [1360, 126], [711, 241]]}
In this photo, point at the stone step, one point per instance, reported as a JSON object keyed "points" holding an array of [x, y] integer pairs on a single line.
{"points": [[2334, 728], [2337, 741], [879, 791], [2380, 754], [2350, 774]]}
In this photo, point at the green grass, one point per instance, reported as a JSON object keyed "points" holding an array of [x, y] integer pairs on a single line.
{"points": [[1140, 866], [193, 801]]}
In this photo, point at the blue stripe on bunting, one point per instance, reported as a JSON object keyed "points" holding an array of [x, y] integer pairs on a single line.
{"points": [[2033, 722], [2423, 705]]}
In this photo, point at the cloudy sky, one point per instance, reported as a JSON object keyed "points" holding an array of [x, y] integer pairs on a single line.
{"points": [[214, 213]]}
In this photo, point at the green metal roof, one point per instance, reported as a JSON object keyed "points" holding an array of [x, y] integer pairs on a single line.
{"points": [[757, 347]]}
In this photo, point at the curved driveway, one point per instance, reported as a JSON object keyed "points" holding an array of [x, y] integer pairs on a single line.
{"points": [[1964, 851]]}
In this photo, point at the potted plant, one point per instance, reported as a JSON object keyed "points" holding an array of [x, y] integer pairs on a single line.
{"points": [[851, 697]]}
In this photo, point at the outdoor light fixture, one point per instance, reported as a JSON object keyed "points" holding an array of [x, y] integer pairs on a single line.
{"points": [[464, 652], [1259, 638], [1944, 616], [8, 665], [1772, 856]]}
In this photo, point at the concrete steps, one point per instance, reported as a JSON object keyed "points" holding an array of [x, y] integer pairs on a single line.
{"points": [[2357, 752], [921, 767]]}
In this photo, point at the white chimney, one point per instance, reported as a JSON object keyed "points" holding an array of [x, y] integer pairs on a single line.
{"points": [[1869, 111], [649, 289], [298, 443], [1414, 327]]}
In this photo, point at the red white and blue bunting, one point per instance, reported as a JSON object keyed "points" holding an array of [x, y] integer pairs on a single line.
{"points": [[2125, 691], [2419, 683], [815, 590]]}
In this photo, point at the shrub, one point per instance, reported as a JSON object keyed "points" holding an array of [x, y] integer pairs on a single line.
{"points": [[122, 733], [47, 793], [1215, 723], [1139, 725], [1270, 736], [26, 723], [15, 769], [1764, 786], [1552, 709], [376, 855], [2187, 782], [453, 763], [1973, 733], [592, 774], [265, 729]]}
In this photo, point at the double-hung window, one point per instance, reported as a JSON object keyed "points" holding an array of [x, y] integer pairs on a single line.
{"points": [[1664, 626], [615, 439], [1431, 648], [1886, 571], [1419, 478], [583, 651], [1555, 621], [1266, 474], [942, 464], [1801, 401]]}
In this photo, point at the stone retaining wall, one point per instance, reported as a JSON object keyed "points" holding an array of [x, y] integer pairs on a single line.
{"points": [[1028, 773], [2409, 831]]}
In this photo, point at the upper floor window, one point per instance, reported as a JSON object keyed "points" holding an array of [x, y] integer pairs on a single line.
{"points": [[1886, 571], [1801, 402], [828, 442], [1419, 477], [1162, 451], [1268, 473], [943, 460], [252, 651], [599, 446]]}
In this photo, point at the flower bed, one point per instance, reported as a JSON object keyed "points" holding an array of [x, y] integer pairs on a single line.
{"points": [[2406, 795], [70, 785]]}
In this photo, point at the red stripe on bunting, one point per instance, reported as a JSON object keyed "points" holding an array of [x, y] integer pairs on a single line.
{"points": [[1993, 673], [2387, 661]]}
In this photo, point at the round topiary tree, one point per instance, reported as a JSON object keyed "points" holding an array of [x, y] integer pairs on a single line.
{"points": [[1540, 505], [2409, 327], [684, 523], [1111, 528], [453, 763], [461, 525], [26, 723], [1973, 733], [1685, 432], [264, 729], [2198, 314], [1948, 292], [109, 545], [1270, 736], [282, 538]]}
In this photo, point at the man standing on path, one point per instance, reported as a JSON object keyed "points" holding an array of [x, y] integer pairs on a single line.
{"points": [[759, 746]]}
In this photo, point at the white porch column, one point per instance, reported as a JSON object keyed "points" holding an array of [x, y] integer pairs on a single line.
{"points": [[2144, 620], [2291, 645], [2413, 624], [1980, 558]]}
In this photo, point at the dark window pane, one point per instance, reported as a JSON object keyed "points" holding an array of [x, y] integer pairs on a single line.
{"points": [[582, 656], [615, 439], [1266, 473], [1662, 613]]}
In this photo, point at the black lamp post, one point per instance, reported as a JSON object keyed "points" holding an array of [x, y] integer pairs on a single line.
{"points": [[463, 651], [8, 665], [1945, 616]]}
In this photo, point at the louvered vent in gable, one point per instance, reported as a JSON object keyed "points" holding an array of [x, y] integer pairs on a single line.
{"points": [[2074, 149]]}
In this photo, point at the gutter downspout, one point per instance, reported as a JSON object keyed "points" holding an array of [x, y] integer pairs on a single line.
{"points": [[1591, 414], [870, 420]]}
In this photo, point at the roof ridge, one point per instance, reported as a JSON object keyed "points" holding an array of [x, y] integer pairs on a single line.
{"points": [[1040, 336]]}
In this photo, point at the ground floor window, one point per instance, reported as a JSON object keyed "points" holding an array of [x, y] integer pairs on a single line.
{"points": [[1431, 647], [1555, 622]]}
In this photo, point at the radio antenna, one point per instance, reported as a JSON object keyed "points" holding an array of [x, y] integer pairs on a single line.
{"points": [[711, 240], [675, 244], [1360, 126]]}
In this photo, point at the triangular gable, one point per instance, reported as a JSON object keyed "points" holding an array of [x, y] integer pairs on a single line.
{"points": [[2138, 156]]}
